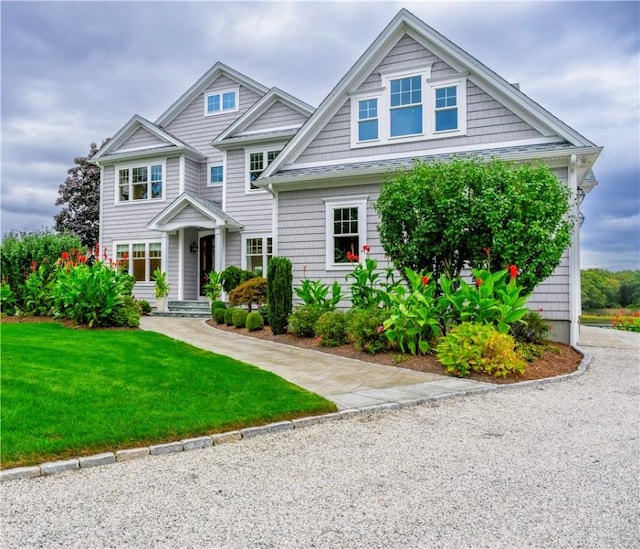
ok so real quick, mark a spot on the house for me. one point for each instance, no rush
(234, 173)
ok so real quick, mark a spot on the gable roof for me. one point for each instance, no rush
(234, 133)
(211, 212)
(169, 143)
(202, 84)
(406, 23)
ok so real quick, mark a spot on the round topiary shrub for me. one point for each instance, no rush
(217, 305)
(239, 318)
(145, 308)
(254, 322)
(331, 329)
(218, 316)
(228, 316)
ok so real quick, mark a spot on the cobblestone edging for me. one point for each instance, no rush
(107, 458)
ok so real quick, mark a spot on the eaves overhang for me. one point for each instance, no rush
(166, 152)
(212, 215)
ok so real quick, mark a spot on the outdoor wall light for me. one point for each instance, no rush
(194, 247)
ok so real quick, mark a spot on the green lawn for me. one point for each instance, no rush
(70, 392)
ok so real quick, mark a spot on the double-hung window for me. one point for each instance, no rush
(345, 230)
(367, 120)
(406, 106)
(446, 108)
(140, 259)
(220, 102)
(258, 251)
(258, 162)
(140, 182)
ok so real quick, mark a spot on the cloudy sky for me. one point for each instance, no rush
(75, 72)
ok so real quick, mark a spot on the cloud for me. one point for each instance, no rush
(74, 72)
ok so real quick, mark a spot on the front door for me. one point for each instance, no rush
(207, 259)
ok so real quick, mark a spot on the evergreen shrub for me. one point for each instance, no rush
(279, 293)
(254, 321)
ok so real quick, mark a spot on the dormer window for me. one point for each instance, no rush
(406, 106)
(446, 109)
(221, 102)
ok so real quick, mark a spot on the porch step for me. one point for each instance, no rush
(186, 308)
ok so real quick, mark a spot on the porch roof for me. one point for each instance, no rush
(202, 213)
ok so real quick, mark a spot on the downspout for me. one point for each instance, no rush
(274, 222)
(574, 258)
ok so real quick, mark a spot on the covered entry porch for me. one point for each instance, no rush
(197, 236)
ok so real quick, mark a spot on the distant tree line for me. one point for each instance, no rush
(602, 289)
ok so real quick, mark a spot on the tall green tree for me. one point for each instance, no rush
(444, 216)
(80, 196)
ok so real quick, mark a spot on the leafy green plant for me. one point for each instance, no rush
(331, 329)
(531, 329)
(212, 288)
(217, 305)
(7, 299)
(36, 293)
(253, 291)
(529, 351)
(365, 329)
(302, 322)
(88, 294)
(233, 276)
(414, 323)
(279, 293)
(124, 315)
(629, 322)
(264, 312)
(161, 286)
(315, 293)
(471, 347)
(239, 318)
(218, 315)
(254, 321)
(491, 300)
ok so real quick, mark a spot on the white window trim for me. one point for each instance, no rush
(129, 166)
(236, 90)
(163, 257)
(243, 250)
(224, 174)
(247, 163)
(333, 203)
(429, 85)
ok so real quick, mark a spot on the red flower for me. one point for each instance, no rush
(478, 282)
(425, 280)
(65, 256)
(380, 329)
(352, 257)
(365, 248)
(125, 256)
(34, 266)
(513, 271)
(486, 250)
(82, 258)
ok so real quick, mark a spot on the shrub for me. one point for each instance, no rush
(264, 312)
(331, 329)
(125, 315)
(365, 328)
(302, 322)
(217, 305)
(532, 329)
(19, 251)
(218, 315)
(233, 276)
(239, 318)
(254, 322)
(529, 351)
(228, 315)
(478, 348)
(629, 322)
(279, 293)
(249, 292)
(145, 307)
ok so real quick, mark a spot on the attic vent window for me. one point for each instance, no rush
(221, 102)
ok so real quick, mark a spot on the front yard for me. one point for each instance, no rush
(71, 392)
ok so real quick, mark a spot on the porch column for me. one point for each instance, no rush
(219, 259)
(180, 264)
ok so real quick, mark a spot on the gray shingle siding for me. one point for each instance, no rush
(191, 176)
(276, 116)
(141, 138)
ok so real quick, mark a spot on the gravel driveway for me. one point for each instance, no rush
(554, 465)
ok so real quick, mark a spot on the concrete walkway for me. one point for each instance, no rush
(347, 382)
